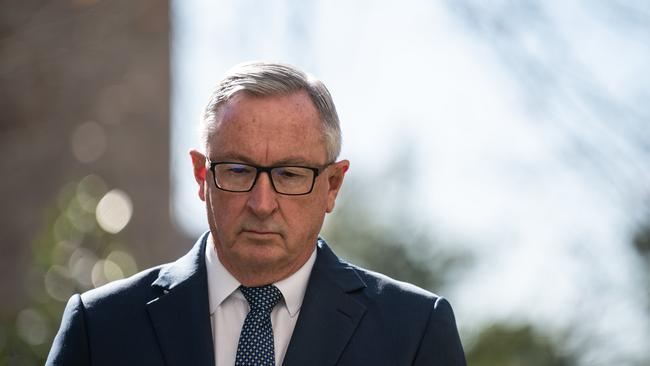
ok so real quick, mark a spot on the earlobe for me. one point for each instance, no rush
(198, 163)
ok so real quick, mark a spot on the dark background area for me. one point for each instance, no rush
(84, 89)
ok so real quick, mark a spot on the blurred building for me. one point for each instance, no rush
(84, 89)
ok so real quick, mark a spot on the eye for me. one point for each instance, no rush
(287, 173)
(239, 169)
(291, 172)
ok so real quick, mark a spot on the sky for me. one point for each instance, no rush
(526, 124)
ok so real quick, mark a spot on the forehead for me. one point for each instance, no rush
(268, 129)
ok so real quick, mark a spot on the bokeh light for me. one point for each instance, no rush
(62, 250)
(125, 261)
(32, 326)
(79, 217)
(114, 211)
(81, 264)
(57, 283)
(88, 190)
(62, 229)
(106, 271)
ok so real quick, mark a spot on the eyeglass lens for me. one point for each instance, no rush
(241, 177)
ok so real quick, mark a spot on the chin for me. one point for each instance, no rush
(261, 253)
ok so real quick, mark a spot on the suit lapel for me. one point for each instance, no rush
(181, 315)
(328, 315)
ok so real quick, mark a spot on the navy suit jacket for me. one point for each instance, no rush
(349, 316)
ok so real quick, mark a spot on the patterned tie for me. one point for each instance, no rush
(255, 346)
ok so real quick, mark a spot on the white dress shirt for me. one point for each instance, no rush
(228, 308)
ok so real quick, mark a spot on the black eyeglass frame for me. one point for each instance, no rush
(267, 170)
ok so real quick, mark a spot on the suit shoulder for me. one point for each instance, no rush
(384, 287)
(393, 296)
(131, 290)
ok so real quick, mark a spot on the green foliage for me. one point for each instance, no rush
(72, 254)
(503, 345)
(389, 235)
(402, 246)
(402, 250)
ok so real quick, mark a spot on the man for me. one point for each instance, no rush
(261, 287)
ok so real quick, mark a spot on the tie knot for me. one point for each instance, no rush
(261, 298)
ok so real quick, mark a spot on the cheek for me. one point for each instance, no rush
(225, 211)
(305, 216)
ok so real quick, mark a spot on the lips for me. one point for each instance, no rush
(257, 228)
(259, 231)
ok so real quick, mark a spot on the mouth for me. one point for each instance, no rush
(263, 233)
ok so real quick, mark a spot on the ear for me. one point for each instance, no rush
(198, 162)
(335, 180)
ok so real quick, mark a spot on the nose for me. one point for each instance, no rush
(262, 199)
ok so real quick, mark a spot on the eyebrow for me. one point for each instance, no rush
(246, 160)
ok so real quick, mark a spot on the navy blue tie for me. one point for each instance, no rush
(255, 346)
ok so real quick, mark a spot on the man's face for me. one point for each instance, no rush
(262, 236)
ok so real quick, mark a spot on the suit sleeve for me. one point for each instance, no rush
(440, 343)
(70, 346)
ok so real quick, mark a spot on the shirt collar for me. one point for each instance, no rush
(293, 287)
(222, 284)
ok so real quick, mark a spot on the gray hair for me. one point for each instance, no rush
(274, 79)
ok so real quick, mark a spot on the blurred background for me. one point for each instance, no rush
(499, 155)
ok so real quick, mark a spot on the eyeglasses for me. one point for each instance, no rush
(289, 180)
